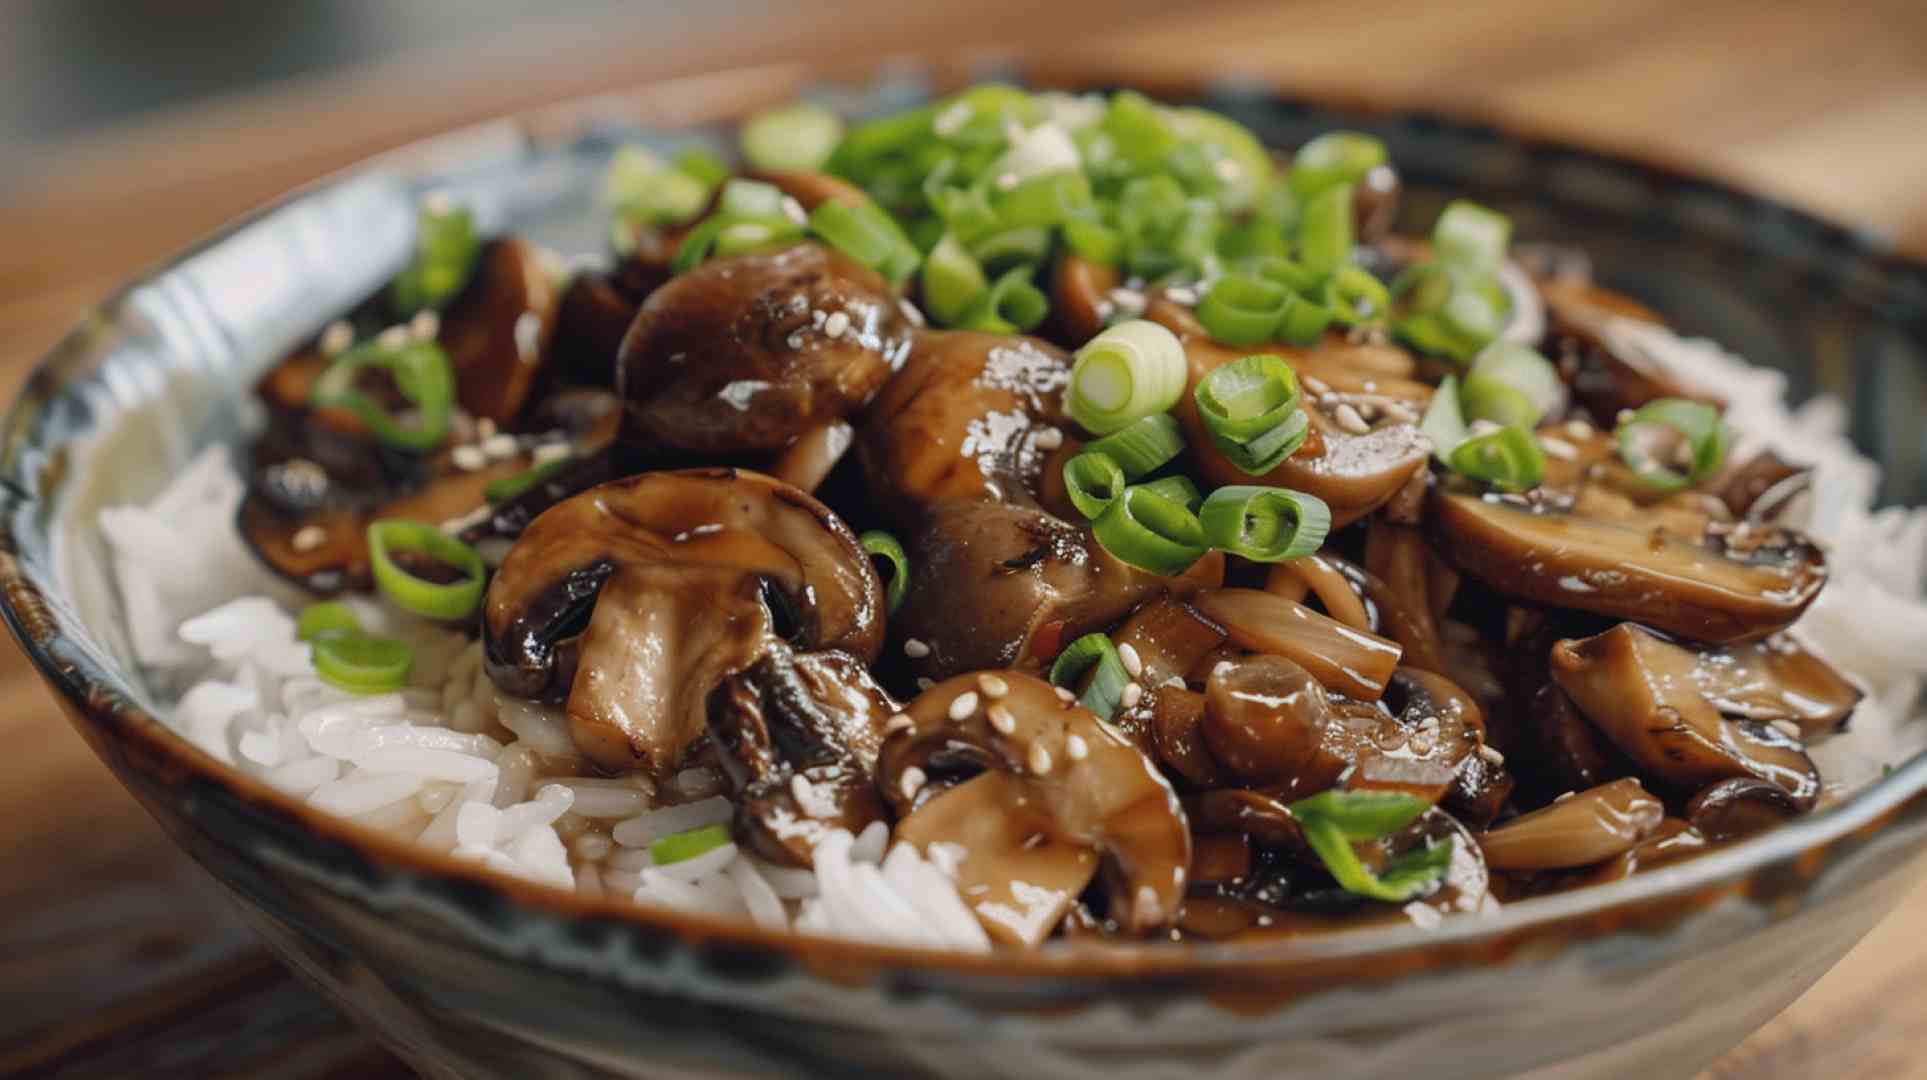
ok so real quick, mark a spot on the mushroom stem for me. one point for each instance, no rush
(1579, 830)
(1355, 663)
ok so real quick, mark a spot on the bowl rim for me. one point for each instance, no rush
(1655, 900)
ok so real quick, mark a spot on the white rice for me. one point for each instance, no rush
(452, 765)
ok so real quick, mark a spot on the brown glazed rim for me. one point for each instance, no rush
(1778, 866)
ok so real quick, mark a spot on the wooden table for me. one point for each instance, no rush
(114, 958)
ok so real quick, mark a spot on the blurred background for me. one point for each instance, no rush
(128, 128)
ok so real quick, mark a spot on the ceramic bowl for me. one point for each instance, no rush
(466, 973)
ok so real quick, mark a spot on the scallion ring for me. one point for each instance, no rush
(1471, 238)
(1248, 397)
(1336, 157)
(1508, 458)
(1265, 524)
(1673, 443)
(1355, 297)
(738, 237)
(1133, 369)
(1094, 242)
(1096, 655)
(686, 845)
(1094, 481)
(1006, 248)
(1044, 201)
(1243, 309)
(1151, 532)
(1510, 383)
(508, 487)
(361, 664)
(1325, 230)
(867, 234)
(1011, 305)
(1179, 489)
(952, 281)
(708, 169)
(1305, 321)
(1144, 446)
(329, 618)
(798, 137)
(421, 374)
(446, 250)
(742, 198)
(881, 545)
(435, 600)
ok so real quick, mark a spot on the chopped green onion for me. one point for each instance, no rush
(1511, 384)
(1133, 369)
(799, 137)
(1094, 481)
(1356, 298)
(738, 237)
(435, 600)
(1000, 251)
(1243, 309)
(1093, 653)
(1689, 433)
(1093, 242)
(686, 845)
(1051, 199)
(644, 191)
(1444, 420)
(697, 244)
(1305, 321)
(1446, 313)
(422, 376)
(1178, 489)
(1325, 230)
(749, 199)
(1336, 157)
(1138, 129)
(1236, 165)
(1151, 532)
(508, 487)
(446, 250)
(1011, 305)
(952, 281)
(1332, 821)
(707, 169)
(1244, 399)
(329, 618)
(1509, 459)
(883, 546)
(867, 234)
(1144, 446)
(1265, 524)
(1471, 238)
(361, 664)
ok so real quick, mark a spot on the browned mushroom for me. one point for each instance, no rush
(1004, 585)
(971, 416)
(1364, 445)
(1738, 808)
(747, 354)
(589, 326)
(1352, 662)
(1086, 784)
(1608, 371)
(1361, 599)
(1080, 299)
(1638, 690)
(1578, 830)
(1776, 679)
(1727, 585)
(497, 332)
(797, 734)
(634, 600)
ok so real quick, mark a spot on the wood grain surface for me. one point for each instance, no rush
(116, 959)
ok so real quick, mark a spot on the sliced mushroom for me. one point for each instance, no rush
(1726, 586)
(1004, 585)
(497, 332)
(634, 600)
(972, 416)
(1573, 755)
(808, 461)
(1608, 369)
(1080, 299)
(1579, 830)
(1638, 690)
(1398, 556)
(1092, 787)
(1447, 733)
(1738, 808)
(797, 734)
(1364, 444)
(1362, 600)
(1270, 724)
(1352, 662)
(747, 354)
(594, 316)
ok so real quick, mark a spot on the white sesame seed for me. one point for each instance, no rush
(1049, 438)
(1491, 755)
(1133, 693)
(425, 325)
(834, 326)
(1559, 448)
(910, 312)
(551, 452)
(1001, 718)
(1181, 295)
(484, 428)
(392, 338)
(1563, 797)
(1064, 695)
(1622, 416)
(500, 446)
(1130, 300)
(1314, 384)
(1076, 748)
(794, 210)
(899, 722)
(438, 203)
(925, 682)
(1579, 429)
(1040, 762)
(1348, 418)
(915, 649)
(307, 538)
(1133, 663)
(1221, 667)
(963, 705)
(1788, 728)
(468, 458)
(1483, 427)
(911, 782)
(337, 337)
(992, 686)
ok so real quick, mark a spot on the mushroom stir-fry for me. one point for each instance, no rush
(1123, 515)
